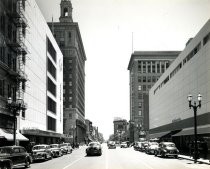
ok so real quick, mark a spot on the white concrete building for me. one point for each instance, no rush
(44, 88)
(168, 105)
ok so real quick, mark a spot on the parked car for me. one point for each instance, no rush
(55, 150)
(124, 145)
(152, 146)
(111, 145)
(143, 146)
(137, 146)
(14, 156)
(41, 152)
(166, 149)
(94, 148)
(66, 148)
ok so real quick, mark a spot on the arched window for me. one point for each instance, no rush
(65, 12)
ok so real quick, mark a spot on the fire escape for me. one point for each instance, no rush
(17, 44)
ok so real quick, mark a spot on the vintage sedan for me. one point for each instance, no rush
(166, 149)
(55, 150)
(66, 148)
(14, 156)
(124, 145)
(94, 148)
(41, 152)
(152, 146)
(111, 145)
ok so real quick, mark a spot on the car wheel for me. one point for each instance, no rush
(27, 163)
(155, 153)
(7, 166)
(162, 154)
(176, 156)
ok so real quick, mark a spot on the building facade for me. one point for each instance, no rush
(120, 129)
(145, 68)
(43, 120)
(13, 78)
(169, 107)
(68, 37)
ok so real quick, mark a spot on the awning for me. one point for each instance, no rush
(159, 135)
(7, 134)
(190, 131)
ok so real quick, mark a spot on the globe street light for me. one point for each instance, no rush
(14, 107)
(199, 97)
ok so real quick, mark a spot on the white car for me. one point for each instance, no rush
(123, 145)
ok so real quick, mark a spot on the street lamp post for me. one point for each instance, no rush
(195, 122)
(14, 107)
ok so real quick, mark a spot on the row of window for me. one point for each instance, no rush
(152, 66)
(51, 86)
(148, 79)
(51, 123)
(11, 90)
(51, 68)
(51, 50)
(51, 104)
(144, 87)
(185, 60)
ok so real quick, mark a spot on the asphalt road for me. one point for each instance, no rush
(119, 158)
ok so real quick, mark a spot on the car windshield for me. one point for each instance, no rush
(170, 145)
(54, 146)
(5, 150)
(62, 145)
(38, 147)
(93, 144)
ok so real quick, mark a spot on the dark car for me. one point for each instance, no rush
(94, 148)
(41, 152)
(111, 145)
(166, 149)
(14, 156)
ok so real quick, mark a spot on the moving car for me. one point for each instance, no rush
(14, 156)
(66, 148)
(166, 149)
(111, 145)
(55, 150)
(41, 152)
(123, 145)
(152, 146)
(94, 148)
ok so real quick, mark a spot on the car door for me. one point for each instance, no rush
(15, 156)
(22, 154)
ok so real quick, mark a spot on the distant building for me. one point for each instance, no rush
(169, 108)
(145, 68)
(68, 37)
(120, 129)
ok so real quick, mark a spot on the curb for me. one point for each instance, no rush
(191, 159)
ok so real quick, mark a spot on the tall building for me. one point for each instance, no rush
(169, 107)
(145, 68)
(68, 37)
(33, 64)
(43, 121)
(13, 53)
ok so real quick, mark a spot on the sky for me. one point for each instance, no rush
(107, 26)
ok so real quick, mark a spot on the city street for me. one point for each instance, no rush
(118, 158)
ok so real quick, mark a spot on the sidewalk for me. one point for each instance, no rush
(201, 160)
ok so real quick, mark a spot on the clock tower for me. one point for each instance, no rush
(66, 11)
